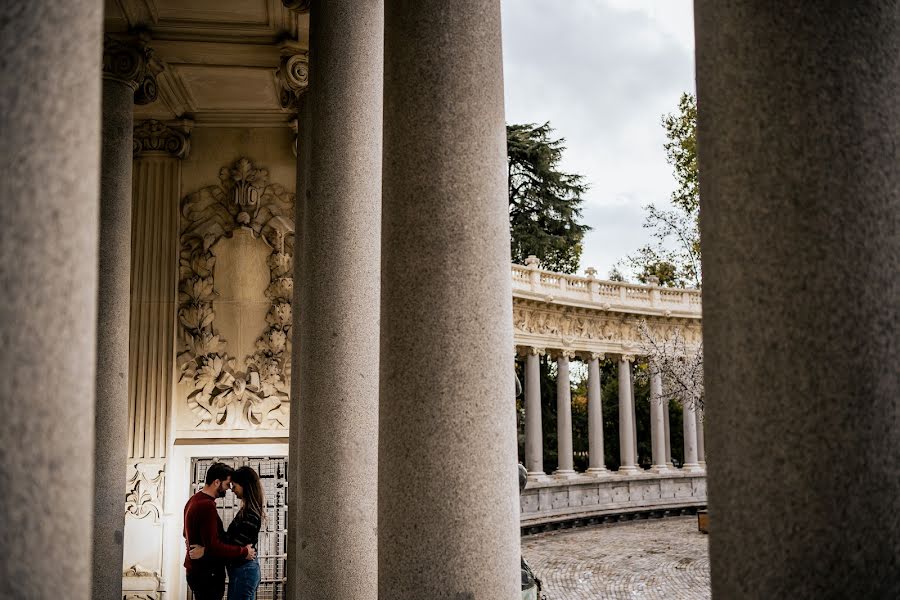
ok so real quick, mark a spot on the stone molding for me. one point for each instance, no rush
(255, 393)
(293, 77)
(145, 490)
(132, 63)
(157, 137)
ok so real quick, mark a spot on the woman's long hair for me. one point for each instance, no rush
(254, 499)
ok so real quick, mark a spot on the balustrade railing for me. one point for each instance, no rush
(529, 280)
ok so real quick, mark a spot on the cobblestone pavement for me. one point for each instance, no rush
(634, 560)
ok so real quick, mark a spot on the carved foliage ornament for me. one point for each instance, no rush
(255, 393)
(134, 64)
(145, 490)
(155, 136)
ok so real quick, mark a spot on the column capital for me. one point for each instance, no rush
(627, 358)
(132, 62)
(298, 6)
(293, 76)
(565, 353)
(158, 137)
(535, 350)
(597, 355)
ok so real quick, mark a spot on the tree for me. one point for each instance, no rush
(544, 202)
(674, 256)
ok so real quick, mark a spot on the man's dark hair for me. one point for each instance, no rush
(219, 471)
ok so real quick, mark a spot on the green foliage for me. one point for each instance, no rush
(544, 202)
(674, 255)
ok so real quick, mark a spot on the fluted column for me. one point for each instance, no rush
(534, 434)
(50, 105)
(627, 458)
(701, 442)
(335, 461)
(596, 460)
(657, 422)
(127, 77)
(448, 497)
(565, 465)
(690, 438)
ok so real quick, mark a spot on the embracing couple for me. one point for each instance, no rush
(210, 549)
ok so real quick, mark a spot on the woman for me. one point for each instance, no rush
(243, 575)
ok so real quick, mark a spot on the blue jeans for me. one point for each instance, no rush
(243, 579)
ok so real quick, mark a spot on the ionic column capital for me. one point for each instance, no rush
(293, 77)
(597, 355)
(156, 137)
(629, 358)
(535, 351)
(565, 353)
(132, 63)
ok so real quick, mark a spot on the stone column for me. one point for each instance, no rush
(657, 422)
(335, 461)
(48, 296)
(800, 315)
(701, 443)
(627, 458)
(565, 467)
(534, 435)
(666, 414)
(448, 497)
(634, 437)
(689, 419)
(596, 465)
(127, 77)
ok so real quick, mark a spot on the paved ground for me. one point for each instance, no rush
(634, 560)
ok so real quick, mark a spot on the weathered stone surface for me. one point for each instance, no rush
(337, 428)
(448, 509)
(798, 138)
(50, 127)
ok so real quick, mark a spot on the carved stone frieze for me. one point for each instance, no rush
(225, 394)
(133, 63)
(293, 79)
(152, 136)
(145, 490)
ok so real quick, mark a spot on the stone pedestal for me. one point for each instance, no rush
(448, 499)
(798, 136)
(50, 107)
(335, 460)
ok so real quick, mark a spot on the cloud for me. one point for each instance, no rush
(603, 73)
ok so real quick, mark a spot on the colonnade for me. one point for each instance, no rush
(694, 458)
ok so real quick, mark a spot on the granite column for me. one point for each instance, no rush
(448, 497)
(801, 321)
(689, 421)
(335, 461)
(50, 108)
(596, 460)
(627, 458)
(565, 467)
(657, 422)
(534, 435)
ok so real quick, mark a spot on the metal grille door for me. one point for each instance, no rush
(271, 548)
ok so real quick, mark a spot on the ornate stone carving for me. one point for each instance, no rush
(293, 79)
(145, 490)
(140, 583)
(254, 394)
(152, 136)
(132, 63)
(300, 6)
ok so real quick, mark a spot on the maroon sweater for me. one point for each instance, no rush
(203, 526)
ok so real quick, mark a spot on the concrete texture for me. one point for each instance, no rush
(448, 496)
(597, 461)
(50, 127)
(798, 138)
(534, 434)
(113, 325)
(564, 418)
(336, 456)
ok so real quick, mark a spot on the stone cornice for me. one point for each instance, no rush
(156, 137)
(132, 63)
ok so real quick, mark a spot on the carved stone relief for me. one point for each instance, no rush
(228, 394)
(145, 490)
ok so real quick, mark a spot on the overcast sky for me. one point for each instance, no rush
(603, 72)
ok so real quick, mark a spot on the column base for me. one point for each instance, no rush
(692, 468)
(598, 472)
(702, 464)
(670, 464)
(537, 476)
(629, 470)
(564, 474)
(660, 469)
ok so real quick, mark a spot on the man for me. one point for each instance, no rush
(202, 526)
